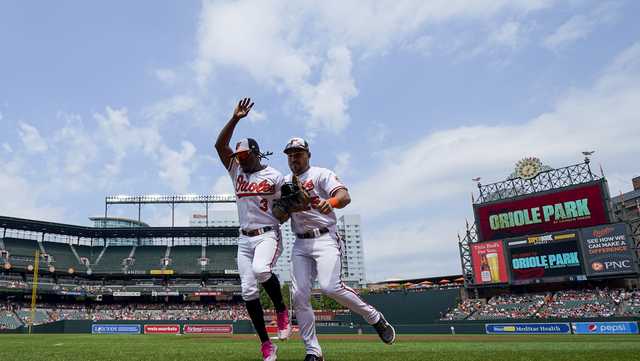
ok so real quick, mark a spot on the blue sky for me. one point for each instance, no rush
(406, 100)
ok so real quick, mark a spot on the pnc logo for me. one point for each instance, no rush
(598, 267)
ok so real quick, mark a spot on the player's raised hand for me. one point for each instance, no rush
(243, 108)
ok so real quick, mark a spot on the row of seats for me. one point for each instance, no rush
(182, 259)
(584, 303)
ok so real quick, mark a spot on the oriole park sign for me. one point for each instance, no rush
(567, 208)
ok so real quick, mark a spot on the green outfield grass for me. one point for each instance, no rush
(338, 348)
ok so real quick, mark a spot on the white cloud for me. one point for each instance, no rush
(343, 164)
(166, 76)
(580, 26)
(507, 35)
(22, 198)
(415, 248)
(256, 116)
(31, 138)
(7, 147)
(165, 109)
(223, 185)
(317, 40)
(177, 167)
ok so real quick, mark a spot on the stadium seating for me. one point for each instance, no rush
(185, 259)
(8, 320)
(112, 259)
(41, 316)
(148, 258)
(90, 253)
(21, 251)
(63, 257)
(221, 258)
(569, 304)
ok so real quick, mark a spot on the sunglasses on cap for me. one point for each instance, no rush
(244, 155)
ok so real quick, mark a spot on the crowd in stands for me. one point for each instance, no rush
(586, 303)
(19, 314)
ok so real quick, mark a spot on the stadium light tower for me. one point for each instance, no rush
(171, 200)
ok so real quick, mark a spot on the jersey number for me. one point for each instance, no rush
(264, 205)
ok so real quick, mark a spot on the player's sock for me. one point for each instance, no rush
(257, 317)
(272, 287)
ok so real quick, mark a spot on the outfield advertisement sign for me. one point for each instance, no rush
(162, 329)
(575, 207)
(208, 329)
(115, 329)
(489, 265)
(595, 328)
(552, 257)
(607, 250)
(527, 328)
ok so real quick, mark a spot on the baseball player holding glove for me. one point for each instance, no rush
(317, 251)
(260, 242)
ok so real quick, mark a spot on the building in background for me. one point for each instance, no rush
(217, 219)
(626, 206)
(353, 272)
(116, 222)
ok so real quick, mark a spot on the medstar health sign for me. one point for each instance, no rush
(575, 207)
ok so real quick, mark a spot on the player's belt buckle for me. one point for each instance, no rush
(316, 232)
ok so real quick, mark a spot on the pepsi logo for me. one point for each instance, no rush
(592, 327)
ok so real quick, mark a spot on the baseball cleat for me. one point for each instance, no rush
(386, 332)
(311, 357)
(269, 351)
(284, 326)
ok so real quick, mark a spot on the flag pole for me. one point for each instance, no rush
(34, 288)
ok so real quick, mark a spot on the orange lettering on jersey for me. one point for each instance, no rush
(308, 185)
(244, 186)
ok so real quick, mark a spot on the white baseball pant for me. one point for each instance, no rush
(256, 258)
(321, 257)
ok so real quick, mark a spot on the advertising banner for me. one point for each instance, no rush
(489, 265)
(165, 293)
(161, 272)
(208, 329)
(126, 294)
(207, 293)
(545, 258)
(620, 328)
(607, 250)
(115, 329)
(274, 329)
(162, 329)
(527, 328)
(576, 207)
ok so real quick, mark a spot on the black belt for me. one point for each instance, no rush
(314, 233)
(257, 232)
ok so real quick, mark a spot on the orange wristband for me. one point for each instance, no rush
(333, 201)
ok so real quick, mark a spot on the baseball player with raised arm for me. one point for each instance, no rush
(317, 250)
(260, 242)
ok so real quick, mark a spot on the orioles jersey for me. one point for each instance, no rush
(321, 183)
(255, 193)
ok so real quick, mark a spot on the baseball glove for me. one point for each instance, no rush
(294, 198)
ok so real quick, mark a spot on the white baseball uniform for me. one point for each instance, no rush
(255, 193)
(320, 257)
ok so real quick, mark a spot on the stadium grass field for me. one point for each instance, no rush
(336, 347)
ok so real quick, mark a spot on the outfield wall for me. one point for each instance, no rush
(244, 327)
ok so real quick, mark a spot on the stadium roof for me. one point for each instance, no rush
(135, 232)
